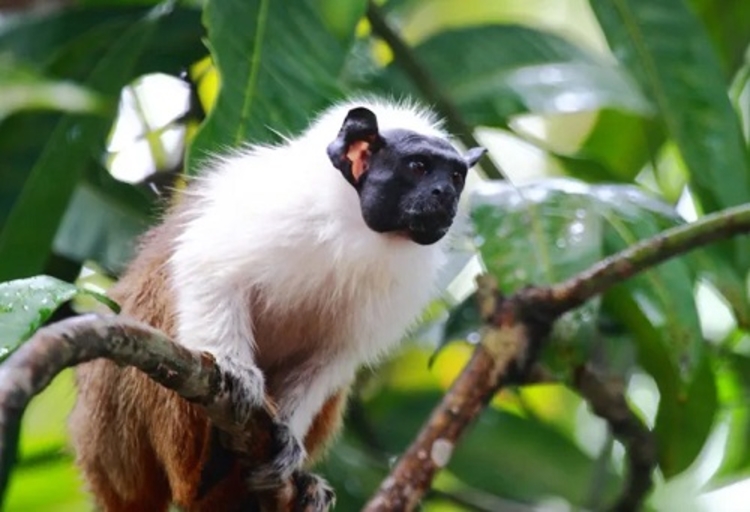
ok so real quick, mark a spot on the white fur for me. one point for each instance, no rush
(284, 220)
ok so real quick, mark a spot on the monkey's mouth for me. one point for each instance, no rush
(427, 229)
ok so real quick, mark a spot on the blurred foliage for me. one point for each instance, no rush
(643, 107)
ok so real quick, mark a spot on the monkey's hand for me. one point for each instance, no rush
(257, 435)
(243, 388)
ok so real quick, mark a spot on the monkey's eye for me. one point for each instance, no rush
(457, 178)
(418, 167)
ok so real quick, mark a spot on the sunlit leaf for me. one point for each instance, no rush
(684, 79)
(281, 67)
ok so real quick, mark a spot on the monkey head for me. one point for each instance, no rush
(408, 183)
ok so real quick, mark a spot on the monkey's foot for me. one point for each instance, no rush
(312, 493)
(289, 454)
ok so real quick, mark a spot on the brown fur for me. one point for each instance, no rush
(139, 445)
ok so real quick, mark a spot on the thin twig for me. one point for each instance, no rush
(641, 256)
(607, 400)
(404, 56)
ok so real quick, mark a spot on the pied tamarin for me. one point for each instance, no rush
(294, 265)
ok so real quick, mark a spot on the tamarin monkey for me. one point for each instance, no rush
(293, 265)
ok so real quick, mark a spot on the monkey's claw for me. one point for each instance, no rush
(289, 454)
(312, 493)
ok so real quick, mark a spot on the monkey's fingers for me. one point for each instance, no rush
(312, 493)
(244, 388)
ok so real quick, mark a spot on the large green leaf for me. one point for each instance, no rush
(669, 53)
(74, 141)
(279, 68)
(687, 410)
(508, 70)
(658, 308)
(541, 234)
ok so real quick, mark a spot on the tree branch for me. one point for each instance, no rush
(607, 400)
(495, 361)
(516, 327)
(194, 376)
(641, 256)
(405, 57)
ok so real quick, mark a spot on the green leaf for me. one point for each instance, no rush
(728, 26)
(684, 420)
(541, 234)
(68, 42)
(658, 307)
(534, 72)
(27, 235)
(109, 237)
(281, 66)
(733, 375)
(664, 294)
(668, 52)
(25, 304)
(463, 322)
(621, 143)
(686, 410)
(340, 17)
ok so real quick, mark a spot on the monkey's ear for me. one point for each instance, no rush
(473, 155)
(357, 140)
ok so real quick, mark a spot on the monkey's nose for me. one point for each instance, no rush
(439, 190)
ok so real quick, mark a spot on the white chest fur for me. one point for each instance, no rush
(283, 223)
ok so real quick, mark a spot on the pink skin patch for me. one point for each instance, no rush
(358, 154)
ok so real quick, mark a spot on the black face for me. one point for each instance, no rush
(407, 182)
